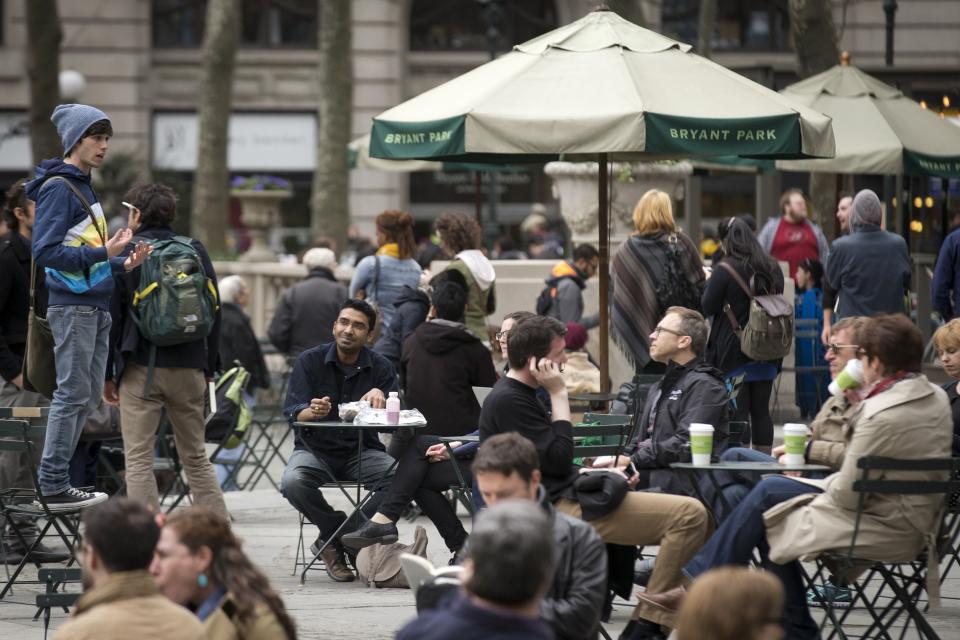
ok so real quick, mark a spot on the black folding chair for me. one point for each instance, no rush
(54, 595)
(17, 436)
(906, 581)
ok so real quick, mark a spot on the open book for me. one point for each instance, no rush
(419, 570)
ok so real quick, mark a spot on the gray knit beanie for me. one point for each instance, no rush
(866, 210)
(72, 120)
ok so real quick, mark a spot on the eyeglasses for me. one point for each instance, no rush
(658, 329)
(501, 335)
(834, 348)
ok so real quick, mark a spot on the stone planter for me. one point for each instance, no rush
(260, 211)
(575, 185)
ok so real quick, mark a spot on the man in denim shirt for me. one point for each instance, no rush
(344, 370)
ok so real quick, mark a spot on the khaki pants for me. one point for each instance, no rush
(679, 525)
(180, 391)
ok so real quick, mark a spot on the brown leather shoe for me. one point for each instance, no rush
(334, 562)
(668, 601)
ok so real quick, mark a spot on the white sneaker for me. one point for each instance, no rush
(72, 499)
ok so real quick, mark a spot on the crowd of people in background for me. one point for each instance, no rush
(555, 538)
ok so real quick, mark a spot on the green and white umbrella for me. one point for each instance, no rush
(358, 157)
(600, 88)
(599, 85)
(878, 129)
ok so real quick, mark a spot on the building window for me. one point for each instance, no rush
(757, 25)
(459, 25)
(266, 24)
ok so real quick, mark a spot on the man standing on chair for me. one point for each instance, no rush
(70, 242)
(323, 378)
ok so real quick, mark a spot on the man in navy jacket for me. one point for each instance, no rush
(946, 278)
(341, 371)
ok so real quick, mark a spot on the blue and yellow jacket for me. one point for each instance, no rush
(65, 241)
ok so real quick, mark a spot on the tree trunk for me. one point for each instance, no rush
(706, 21)
(815, 42)
(210, 205)
(329, 202)
(43, 70)
(631, 10)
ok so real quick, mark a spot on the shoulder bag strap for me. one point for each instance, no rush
(84, 202)
(731, 316)
(376, 279)
(33, 285)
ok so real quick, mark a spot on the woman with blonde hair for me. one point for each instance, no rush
(382, 277)
(198, 563)
(946, 340)
(656, 268)
(732, 603)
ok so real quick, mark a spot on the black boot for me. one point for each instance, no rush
(642, 630)
(369, 534)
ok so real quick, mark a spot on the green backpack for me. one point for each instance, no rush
(176, 302)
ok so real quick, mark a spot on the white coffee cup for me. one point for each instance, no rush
(701, 443)
(795, 442)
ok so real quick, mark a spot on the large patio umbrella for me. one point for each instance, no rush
(599, 88)
(878, 129)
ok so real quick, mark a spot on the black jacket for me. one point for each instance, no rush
(688, 393)
(723, 346)
(573, 604)
(441, 364)
(514, 406)
(126, 343)
(239, 342)
(315, 376)
(306, 313)
(410, 311)
(15, 302)
(861, 260)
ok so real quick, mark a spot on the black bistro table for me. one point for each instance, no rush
(694, 471)
(361, 498)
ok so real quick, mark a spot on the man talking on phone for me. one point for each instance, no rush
(679, 525)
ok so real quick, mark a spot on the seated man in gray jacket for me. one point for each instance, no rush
(507, 467)
(691, 391)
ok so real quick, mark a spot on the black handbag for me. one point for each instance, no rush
(39, 367)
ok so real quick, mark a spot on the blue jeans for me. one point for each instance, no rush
(80, 335)
(742, 532)
(735, 486)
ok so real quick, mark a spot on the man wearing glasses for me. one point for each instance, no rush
(691, 391)
(344, 370)
(830, 427)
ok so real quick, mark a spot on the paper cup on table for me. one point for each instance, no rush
(701, 443)
(795, 442)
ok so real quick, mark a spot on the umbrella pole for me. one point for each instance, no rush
(603, 213)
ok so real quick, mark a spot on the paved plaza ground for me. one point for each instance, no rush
(328, 610)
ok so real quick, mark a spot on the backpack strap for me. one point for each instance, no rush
(731, 316)
(376, 278)
(83, 201)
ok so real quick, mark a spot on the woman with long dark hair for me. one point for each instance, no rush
(199, 564)
(755, 266)
(382, 277)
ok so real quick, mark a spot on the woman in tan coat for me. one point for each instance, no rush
(899, 415)
(198, 563)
